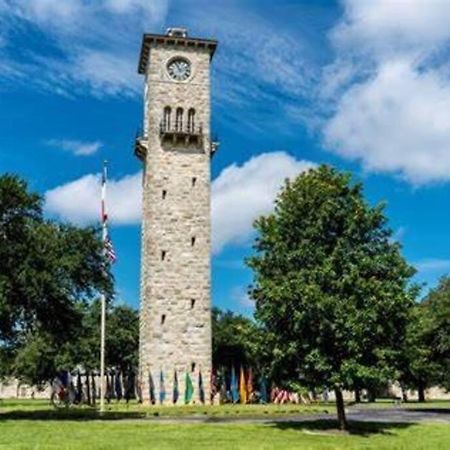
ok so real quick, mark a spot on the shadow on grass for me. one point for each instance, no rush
(330, 427)
(430, 410)
(322, 426)
(71, 414)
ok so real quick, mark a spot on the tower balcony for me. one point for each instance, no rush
(141, 145)
(184, 135)
(180, 133)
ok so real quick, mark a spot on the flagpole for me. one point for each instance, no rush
(103, 299)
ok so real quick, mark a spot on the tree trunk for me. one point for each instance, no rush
(421, 392)
(371, 397)
(88, 389)
(342, 420)
(357, 396)
(404, 394)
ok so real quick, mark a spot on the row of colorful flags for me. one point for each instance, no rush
(188, 388)
(239, 389)
(245, 391)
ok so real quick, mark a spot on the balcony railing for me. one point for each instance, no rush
(181, 132)
(140, 144)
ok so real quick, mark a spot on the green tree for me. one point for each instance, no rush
(236, 340)
(48, 269)
(41, 356)
(122, 337)
(430, 359)
(419, 366)
(331, 288)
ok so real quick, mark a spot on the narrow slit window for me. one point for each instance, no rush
(192, 303)
(164, 193)
(163, 255)
(163, 319)
(179, 119)
(194, 180)
(193, 367)
(192, 241)
(191, 120)
(166, 118)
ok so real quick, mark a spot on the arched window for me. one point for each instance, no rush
(166, 118)
(179, 120)
(191, 120)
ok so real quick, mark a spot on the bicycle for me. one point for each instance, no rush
(62, 396)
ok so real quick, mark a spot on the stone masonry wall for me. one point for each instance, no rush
(175, 315)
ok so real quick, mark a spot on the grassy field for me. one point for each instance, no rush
(386, 403)
(33, 425)
(40, 409)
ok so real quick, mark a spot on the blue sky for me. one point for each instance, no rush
(359, 84)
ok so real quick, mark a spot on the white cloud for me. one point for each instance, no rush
(391, 26)
(79, 201)
(239, 295)
(151, 9)
(78, 148)
(242, 193)
(258, 62)
(95, 44)
(93, 47)
(239, 195)
(397, 121)
(398, 234)
(390, 90)
(432, 265)
(107, 72)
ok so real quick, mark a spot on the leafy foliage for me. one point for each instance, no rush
(426, 354)
(417, 369)
(237, 341)
(331, 288)
(48, 270)
(41, 356)
(437, 328)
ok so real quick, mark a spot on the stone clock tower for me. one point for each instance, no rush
(175, 148)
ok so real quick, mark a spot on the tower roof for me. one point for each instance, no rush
(175, 39)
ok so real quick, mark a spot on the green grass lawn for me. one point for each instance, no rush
(26, 434)
(413, 404)
(35, 425)
(41, 409)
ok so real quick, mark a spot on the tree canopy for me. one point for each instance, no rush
(331, 287)
(236, 340)
(41, 356)
(426, 353)
(47, 271)
(437, 330)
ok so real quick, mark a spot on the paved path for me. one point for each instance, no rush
(399, 414)
(389, 414)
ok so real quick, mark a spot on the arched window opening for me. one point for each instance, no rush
(166, 118)
(179, 120)
(191, 120)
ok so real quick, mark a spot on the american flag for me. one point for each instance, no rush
(110, 254)
(109, 250)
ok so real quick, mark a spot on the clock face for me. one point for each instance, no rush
(179, 69)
